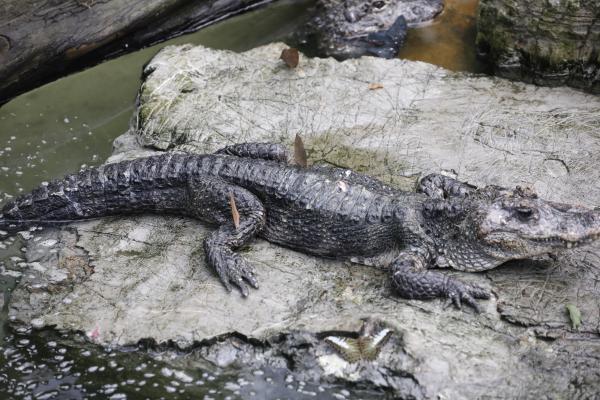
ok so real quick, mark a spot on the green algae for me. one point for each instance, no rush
(383, 165)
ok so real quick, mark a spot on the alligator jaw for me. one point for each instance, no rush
(568, 241)
(516, 224)
(567, 229)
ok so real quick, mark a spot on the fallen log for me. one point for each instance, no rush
(42, 40)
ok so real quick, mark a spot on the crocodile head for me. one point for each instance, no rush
(494, 225)
(353, 28)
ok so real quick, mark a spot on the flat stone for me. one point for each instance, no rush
(144, 277)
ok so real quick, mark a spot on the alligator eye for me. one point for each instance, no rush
(378, 4)
(524, 212)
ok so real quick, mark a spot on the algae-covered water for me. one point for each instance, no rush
(72, 122)
(449, 40)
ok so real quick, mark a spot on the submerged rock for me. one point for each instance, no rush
(353, 28)
(547, 42)
(392, 119)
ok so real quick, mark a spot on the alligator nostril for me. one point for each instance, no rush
(350, 16)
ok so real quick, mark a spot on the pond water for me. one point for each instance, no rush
(448, 41)
(72, 122)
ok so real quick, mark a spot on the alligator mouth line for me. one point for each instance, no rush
(556, 240)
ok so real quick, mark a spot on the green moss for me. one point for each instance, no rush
(494, 33)
(574, 316)
(380, 164)
(535, 48)
(155, 107)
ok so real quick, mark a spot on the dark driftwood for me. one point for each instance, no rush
(41, 40)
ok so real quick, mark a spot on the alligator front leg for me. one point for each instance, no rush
(413, 280)
(210, 200)
(438, 186)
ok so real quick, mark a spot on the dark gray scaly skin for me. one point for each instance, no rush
(324, 211)
(353, 28)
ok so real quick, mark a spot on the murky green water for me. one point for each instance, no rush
(449, 40)
(72, 122)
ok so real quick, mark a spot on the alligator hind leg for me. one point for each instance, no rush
(412, 280)
(209, 200)
(438, 186)
(264, 151)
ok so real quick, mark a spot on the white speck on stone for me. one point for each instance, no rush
(139, 234)
(37, 323)
(37, 266)
(57, 276)
(13, 274)
(49, 242)
(333, 364)
(183, 377)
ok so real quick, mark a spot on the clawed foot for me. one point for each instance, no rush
(234, 270)
(459, 292)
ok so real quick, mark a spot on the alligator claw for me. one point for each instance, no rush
(243, 287)
(237, 271)
(222, 272)
(459, 292)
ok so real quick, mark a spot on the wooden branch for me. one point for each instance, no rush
(41, 40)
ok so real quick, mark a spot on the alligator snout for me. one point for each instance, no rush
(578, 226)
(353, 15)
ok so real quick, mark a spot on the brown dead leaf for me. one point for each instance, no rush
(375, 86)
(300, 152)
(234, 212)
(291, 57)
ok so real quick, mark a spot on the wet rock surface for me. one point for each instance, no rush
(122, 280)
(545, 42)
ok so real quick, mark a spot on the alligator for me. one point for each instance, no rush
(353, 28)
(254, 189)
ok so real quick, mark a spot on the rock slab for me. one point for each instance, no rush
(122, 280)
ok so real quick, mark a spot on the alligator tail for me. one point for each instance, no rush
(12, 226)
(154, 184)
(9, 227)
